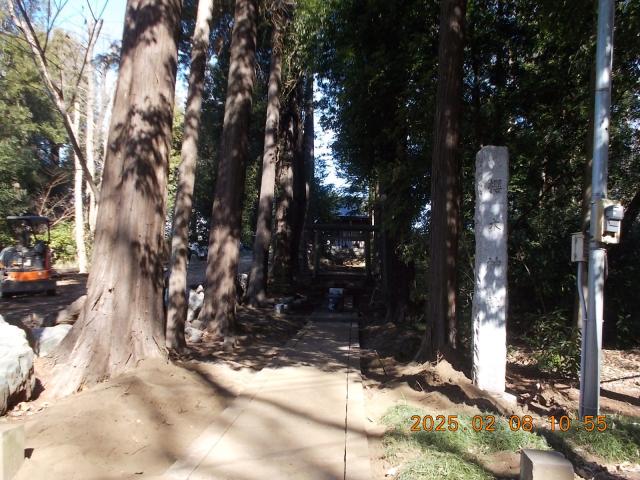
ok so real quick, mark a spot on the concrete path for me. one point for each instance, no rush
(302, 419)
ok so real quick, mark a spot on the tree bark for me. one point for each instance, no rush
(90, 129)
(478, 126)
(445, 179)
(78, 204)
(282, 256)
(309, 137)
(300, 181)
(218, 310)
(177, 310)
(399, 277)
(309, 160)
(122, 321)
(257, 280)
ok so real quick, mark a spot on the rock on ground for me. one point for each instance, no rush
(196, 300)
(48, 338)
(193, 335)
(17, 378)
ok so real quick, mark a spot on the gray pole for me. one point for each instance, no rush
(592, 334)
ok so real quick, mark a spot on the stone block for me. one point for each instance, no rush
(11, 450)
(544, 465)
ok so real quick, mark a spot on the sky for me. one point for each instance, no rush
(75, 12)
(73, 18)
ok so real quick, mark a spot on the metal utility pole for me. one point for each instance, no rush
(592, 334)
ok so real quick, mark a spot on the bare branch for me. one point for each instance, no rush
(104, 7)
(51, 21)
(56, 207)
(94, 32)
(91, 12)
(23, 22)
(49, 26)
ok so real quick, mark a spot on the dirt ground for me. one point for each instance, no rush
(545, 395)
(442, 388)
(136, 425)
(139, 423)
(36, 309)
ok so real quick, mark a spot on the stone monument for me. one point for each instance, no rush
(489, 311)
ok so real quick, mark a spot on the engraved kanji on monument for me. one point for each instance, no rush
(489, 312)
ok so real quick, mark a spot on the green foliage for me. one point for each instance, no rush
(174, 162)
(33, 159)
(304, 35)
(63, 244)
(28, 129)
(527, 85)
(250, 207)
(378, 89)
(214, 98)
(556, 344)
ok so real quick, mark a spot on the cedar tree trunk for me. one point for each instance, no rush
(445, 179)
(282, 261)
(177, 309)
(122, 321)
(300, 181)
(218, 311)
(309, 160)
(257, 280)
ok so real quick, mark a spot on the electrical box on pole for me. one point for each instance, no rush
(578, 247)
(609, 221)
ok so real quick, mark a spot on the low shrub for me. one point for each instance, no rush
(63, 244)
(556, 344)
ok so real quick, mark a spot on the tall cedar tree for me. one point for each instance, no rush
(309, 137)
(285, 207)
(445, 180)
(299, 181)
(218, 311)
(122, 321)
(257, 278)
(177, 310)
(308, 144)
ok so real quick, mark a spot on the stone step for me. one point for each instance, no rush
(544, 465)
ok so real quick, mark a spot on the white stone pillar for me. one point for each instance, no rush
(489, 311)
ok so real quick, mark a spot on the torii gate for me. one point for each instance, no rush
(364, 230)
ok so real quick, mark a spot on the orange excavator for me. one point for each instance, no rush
(26, 266)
